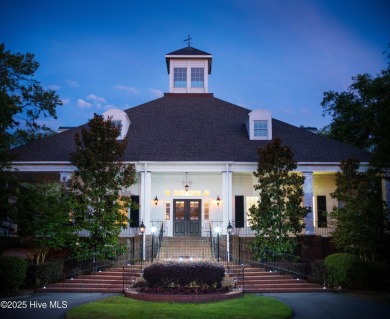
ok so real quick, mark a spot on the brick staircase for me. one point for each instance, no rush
(115, 280)
(185, 248)
(112, 280)
(258, 280)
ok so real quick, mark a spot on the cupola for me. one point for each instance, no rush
(188, 70)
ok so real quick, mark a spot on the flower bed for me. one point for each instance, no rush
(182, 296)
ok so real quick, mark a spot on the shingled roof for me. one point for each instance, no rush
(195, 127)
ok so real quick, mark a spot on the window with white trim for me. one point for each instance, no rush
(197, 77)
(180, 77)
(260, 128)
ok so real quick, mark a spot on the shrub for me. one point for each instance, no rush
(12, 273)
(345, 270)
(43, 274)
(181, 274)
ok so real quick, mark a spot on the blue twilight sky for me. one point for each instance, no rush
(279, 55)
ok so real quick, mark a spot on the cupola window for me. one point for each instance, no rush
(180, 77)
(197, 77)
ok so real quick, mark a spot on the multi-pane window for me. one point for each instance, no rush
(180, 77)
(197, 77)
(206, 210)
(167, 211)
(260, 128)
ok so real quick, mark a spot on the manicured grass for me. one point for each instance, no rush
(246, 307)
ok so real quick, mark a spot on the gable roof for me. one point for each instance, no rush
(195, 127)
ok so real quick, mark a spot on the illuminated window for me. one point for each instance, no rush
(206, 210)
(250, 201)
(167, 211)
(206, 193)
(167, 192)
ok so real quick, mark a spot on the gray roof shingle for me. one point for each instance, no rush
(195, 127)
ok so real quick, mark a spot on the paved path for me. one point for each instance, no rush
(331, 306)
(305, 305)
(57, 303)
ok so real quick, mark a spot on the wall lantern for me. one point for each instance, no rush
(218, 200)
(155, 200)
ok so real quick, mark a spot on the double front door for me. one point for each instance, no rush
(187, 219)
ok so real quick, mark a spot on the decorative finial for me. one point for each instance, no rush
(188, 40)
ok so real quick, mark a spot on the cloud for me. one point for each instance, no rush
(54, 87)
(72, 83)
(128, 89)
(83, 104)
(97, 99)
(156, 93)
(65, 101)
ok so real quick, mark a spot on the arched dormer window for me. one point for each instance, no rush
(259, 125)
(118, 118)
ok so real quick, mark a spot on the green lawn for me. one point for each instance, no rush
(246, 307)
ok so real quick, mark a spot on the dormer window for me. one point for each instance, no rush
(120, 119)
(118, 124)
(259, 125)
(260, 128)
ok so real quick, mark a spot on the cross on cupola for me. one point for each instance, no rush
(188, 69)
(188, 40)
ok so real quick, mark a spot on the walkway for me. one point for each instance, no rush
(331, 306)
(305, 305)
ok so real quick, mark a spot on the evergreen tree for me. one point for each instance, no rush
(279, 213)
(361, 217)
(98, 206)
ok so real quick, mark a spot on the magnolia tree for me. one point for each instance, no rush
(95, 188)
(279, 212)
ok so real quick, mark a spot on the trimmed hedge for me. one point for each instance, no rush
(349, 271)
(344, 270)
(12, 273)
(182, 274)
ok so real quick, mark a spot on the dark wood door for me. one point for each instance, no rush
(187, 219)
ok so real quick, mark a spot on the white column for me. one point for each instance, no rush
(145, 199)
(308, 202)
(226, 199)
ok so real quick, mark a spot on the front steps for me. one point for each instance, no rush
(258, 280)
(113, 280)
(249, 279)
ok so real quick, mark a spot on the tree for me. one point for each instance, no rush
(42, 214)
(361, 219)
(279, 212)
(361, 115)
(95, 187)
(23, 102)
